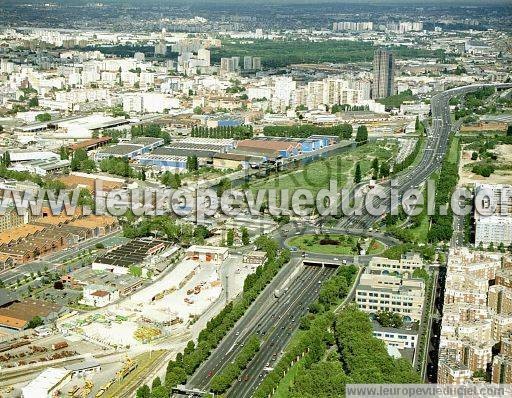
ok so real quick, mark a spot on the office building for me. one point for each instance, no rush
(408, 263)
(396, 337)
(381, 292)
(383, 74)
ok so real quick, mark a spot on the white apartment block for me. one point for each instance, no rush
(493, 229)
(149, 102)
(356, 26)
(379, 292)
(493, 215)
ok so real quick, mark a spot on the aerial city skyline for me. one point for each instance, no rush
(279, 199)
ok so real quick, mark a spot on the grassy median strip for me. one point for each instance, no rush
(133, 380)
(223, 380)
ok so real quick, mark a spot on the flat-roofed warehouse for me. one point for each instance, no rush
(137, 146)
(163, 162)
(76, 127)
(47, 384)
(235, 161)
(85, 126)
(285, 149)
(207, 253)
(306, 144)
(120, 259)
(204, 154)
(93, 143)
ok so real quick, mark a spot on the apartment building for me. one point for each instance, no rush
(380, 292)
(476, 314)
(500, 299)
(501, 326)
(383, 74)
(493, 215)
(11, 219)
(504, 276)
(477, 355)
(452, 372)
(506, 345)
(502, 369)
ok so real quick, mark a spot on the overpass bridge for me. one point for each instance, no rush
(327, 261)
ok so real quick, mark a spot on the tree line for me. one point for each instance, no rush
(233, 132)
(343, 131)
(441, 228)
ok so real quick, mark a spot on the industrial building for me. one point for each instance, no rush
(83, 277)
(162, 162)
(284, 149)
(207, 253)
(15, 314)
(99, 295)
(133, 253)
(51, 233)
(137, 146)
(47, 384)
(43, 167)
(235, 161)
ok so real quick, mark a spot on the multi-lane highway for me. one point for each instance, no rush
(273, 320)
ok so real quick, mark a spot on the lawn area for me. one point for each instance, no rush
(420, 233)
(283, 389)
(375, 247)
(316, 175)
(330, 244)
(204, 173)
(453, 154)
